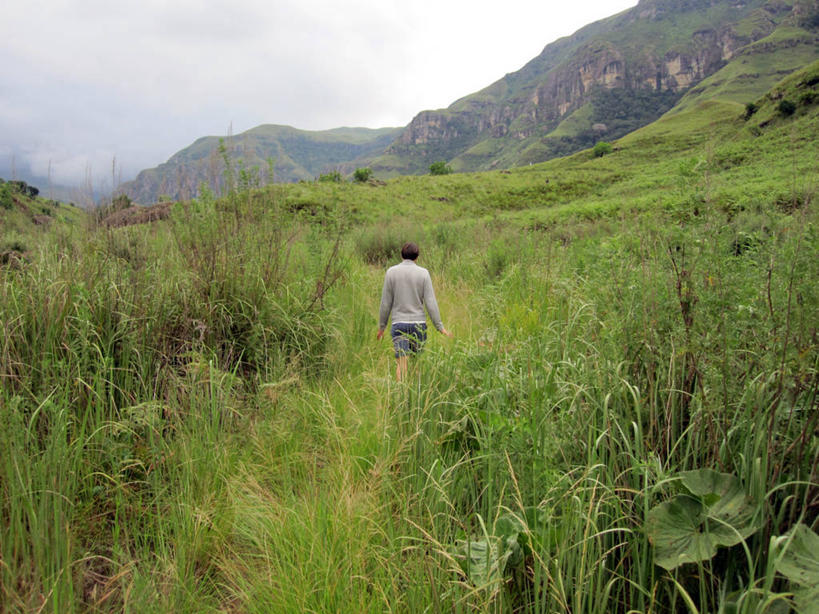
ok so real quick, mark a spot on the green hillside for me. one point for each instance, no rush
(610, 78)
(603, 82)
(294, 155)
(26, 217)
(197, 417)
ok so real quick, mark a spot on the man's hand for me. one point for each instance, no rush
(446, 332)
(380, 334)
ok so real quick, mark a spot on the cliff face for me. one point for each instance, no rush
(659, 46)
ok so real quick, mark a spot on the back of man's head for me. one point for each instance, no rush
(409, 251)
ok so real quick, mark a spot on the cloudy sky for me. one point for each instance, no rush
(84, 82)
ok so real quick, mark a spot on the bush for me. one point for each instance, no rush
(363, 175)
(602, 148)
(750, 109)
(440, 168)
(786, 108)
(331, 177)
(6, 200)
(381, 245)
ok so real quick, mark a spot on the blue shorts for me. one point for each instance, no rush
(408, 337)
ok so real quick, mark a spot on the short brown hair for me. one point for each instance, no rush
(409, 251)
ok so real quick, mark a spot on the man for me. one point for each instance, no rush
(407, 290)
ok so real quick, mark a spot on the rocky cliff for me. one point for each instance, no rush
(652, 54)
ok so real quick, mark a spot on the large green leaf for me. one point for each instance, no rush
(690, 528)
(486, 561)
(799, 563)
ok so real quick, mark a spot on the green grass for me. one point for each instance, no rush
(196, 416)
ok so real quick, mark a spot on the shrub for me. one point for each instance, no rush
(750, 109)
(122, 201)
(380, 245)
(440, 168)
(18, 186)
(331, 177)
(6, 200)
(786, 108)
(363, 175)
(602, 148)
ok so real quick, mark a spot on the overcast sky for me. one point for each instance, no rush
(84, 81)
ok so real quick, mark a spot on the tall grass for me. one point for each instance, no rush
(127, 358)
(196, 417)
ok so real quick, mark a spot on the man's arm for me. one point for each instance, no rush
(386, 305)
(432, 306)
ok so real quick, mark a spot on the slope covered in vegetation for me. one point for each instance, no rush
(287, 153)
(608, 79)
(25, 217)
(197, 418)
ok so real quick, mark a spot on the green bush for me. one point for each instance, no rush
(750, 109)
(331, 177)
(440, 168)
(381, 245)
(602, 148)
(6, 200)
(362, 175)
(786, 108)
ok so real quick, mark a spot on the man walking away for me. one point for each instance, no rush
(407, 290)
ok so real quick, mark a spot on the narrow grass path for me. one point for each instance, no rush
(318, 523)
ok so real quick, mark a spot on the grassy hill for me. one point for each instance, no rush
(197, 417)
(606, 80)
(26, 216)
(610, 78)
(268, 152)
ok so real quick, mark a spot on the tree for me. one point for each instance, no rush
(786, 108)
(440, 168)
(362, 175)
(602, 148)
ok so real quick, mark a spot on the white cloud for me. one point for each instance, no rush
(142, 79)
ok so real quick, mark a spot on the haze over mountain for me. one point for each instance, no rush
(84, 83)
(604, 81)
(294, 155)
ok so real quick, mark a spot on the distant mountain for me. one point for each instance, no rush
(610, 78)
(604, 81)
(295, 154)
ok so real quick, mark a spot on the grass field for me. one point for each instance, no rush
(196, 416)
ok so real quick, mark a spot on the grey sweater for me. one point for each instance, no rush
(407, 289)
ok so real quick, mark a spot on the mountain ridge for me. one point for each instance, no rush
(599, 83)
(268, 151)
(637, 51)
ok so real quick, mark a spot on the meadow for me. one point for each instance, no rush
(196, 416)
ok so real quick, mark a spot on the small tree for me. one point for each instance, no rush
(440, 168)
(602, 148)
(362, 175)
(750, 109)
(787, 108)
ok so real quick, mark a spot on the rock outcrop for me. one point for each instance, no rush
(659, 46)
